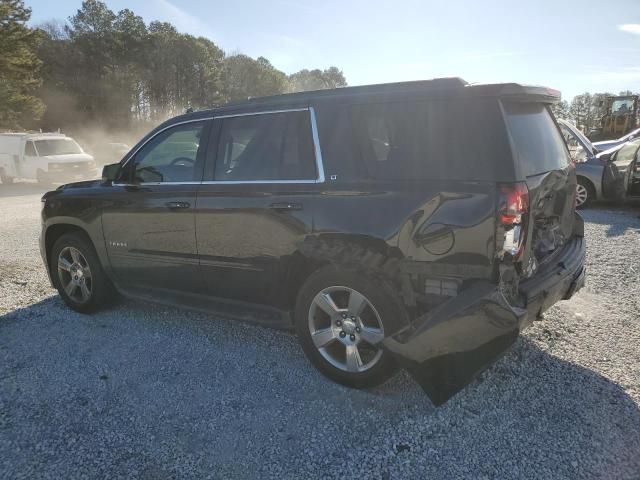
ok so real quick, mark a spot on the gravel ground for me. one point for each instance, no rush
(142, 391)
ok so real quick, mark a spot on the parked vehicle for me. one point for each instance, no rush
(625, 161)
(590, 166)
(599, 174)
(420, 224)
(46, 157)
(608, 144)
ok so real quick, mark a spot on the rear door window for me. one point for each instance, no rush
(269, 146)
(537, 142)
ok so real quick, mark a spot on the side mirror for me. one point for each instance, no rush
(110, 172)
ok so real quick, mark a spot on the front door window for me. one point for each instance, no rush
(171, 156)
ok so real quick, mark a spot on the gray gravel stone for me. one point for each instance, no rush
(141, 391)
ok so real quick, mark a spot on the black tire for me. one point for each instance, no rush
(5, 179)
(381, 296)
(102, 291)
(590, 191)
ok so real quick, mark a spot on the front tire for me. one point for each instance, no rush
(78, 275)
(341, 317)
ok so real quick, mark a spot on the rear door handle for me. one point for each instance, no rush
(285, 206)
(177, 205)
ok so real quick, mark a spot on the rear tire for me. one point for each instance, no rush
(77, 274)
(361, 308)
(585, 193)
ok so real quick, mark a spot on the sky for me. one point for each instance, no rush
(571, 45)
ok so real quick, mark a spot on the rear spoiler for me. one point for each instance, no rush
(517, 92)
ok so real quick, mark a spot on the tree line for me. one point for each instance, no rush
(113, 69)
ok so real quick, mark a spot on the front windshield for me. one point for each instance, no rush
(622, 106)
(57, 146)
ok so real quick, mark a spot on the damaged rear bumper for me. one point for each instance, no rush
(446, 348)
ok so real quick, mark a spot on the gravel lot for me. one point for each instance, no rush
(142, 391)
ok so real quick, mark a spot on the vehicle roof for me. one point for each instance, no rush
(34, 136)
(445, 87)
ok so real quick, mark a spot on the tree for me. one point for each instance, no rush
(92, 34)
(19, 66)
(561, 110)
(112, 72)
(245, 77)
(317, 79)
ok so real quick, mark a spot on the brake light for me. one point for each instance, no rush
(513, 212)
(513, 202)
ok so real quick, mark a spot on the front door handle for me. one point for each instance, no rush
(177, 205)
(285, 206)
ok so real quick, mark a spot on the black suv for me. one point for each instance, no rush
(418, 225)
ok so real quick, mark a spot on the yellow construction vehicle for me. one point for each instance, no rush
(620, 117)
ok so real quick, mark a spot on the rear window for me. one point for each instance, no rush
(537, 142)
(452, 139)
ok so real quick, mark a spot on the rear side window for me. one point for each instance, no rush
(272, 146)
(537, 142)
(455, 139)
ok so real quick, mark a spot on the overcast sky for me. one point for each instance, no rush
(571, 45)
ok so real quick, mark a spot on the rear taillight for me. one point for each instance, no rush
(513, 213)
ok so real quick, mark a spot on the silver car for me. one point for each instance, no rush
(589, 167)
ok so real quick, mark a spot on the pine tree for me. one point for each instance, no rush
(19, 66)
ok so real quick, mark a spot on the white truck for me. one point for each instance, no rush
(45, 157)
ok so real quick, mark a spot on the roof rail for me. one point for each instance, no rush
(31, 132)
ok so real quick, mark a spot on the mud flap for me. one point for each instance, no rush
(446, 348)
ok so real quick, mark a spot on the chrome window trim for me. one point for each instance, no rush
(316, 143)
(266, 112)
(153, 183)
(254, 182)
(314, 135)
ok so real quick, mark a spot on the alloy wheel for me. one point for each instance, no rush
(346, 329)
(581, 195)
(74, 274)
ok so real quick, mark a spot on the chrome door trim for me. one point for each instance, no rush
(266, 112)
(316, 143)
